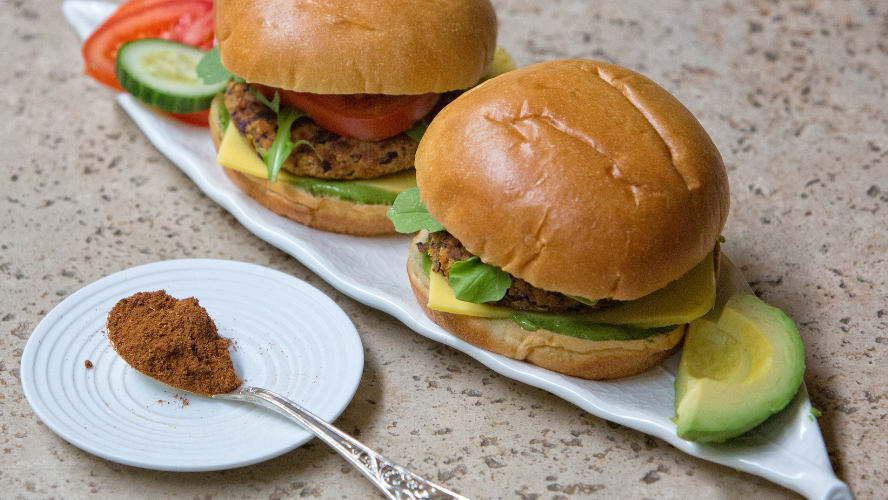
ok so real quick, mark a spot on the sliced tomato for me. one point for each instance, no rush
(171, 19)
(363, 116)
(132, 6)
(199, 118)
(196, 32)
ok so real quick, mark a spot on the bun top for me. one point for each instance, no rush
(357, 46)
(578, 176)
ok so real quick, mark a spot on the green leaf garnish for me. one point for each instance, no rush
(283, 145)
(224, 118)
(584, 300)
(274, 104)
(721, 239)
(417, 130)
(426, 264)
(210, 68)
(477, 282)
(410, 215)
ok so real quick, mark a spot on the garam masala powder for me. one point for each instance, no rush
(172, 341)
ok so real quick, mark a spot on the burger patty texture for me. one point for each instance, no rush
(444, 250)
(340, 157)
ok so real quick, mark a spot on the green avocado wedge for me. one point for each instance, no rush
(741, 364)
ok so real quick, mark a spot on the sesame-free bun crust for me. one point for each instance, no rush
(578, 176)
(594, 360)
(319, 212)
(357, 46)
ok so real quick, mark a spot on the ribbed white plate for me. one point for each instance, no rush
(788, 449)
(288, 337)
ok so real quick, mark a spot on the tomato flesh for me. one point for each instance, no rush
(371, 117)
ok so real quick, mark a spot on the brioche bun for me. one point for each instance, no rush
(580, 177)
(588, 359)
(357, 46)
(319, 212)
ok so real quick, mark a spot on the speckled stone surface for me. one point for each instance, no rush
(793, 93)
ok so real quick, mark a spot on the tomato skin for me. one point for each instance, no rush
(371, 117)
(137, 19)
(198, 118)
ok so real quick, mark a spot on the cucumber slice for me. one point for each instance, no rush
(163, 73)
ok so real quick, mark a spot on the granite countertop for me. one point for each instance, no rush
(794, 95)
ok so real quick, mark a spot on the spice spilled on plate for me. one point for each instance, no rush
(172, 341)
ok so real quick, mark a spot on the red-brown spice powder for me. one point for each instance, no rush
(172, 341)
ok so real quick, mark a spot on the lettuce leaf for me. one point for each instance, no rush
(210, 68)
(426, 264)
(477, 282)
(274, 104)
(410, 215)
(417, 130)
(283, 145)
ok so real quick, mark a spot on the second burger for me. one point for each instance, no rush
(351, 84)
(570, 215)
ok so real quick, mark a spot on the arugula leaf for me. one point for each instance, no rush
(274, 104)
(410, 215)
(584, 300)
(224, 118)
(477, 282)
(210, 68)
(417, 130)
(283, 145)
(426, 264)
(721, 239)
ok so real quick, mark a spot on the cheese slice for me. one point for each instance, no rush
(236, 154)
(443, 298)
(681, 301)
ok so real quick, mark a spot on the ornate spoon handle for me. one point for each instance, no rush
(395, 481)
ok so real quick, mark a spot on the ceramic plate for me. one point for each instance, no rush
(288, 337)
(788, 449)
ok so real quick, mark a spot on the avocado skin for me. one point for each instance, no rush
(736, 409)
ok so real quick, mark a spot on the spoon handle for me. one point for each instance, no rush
(395, 481)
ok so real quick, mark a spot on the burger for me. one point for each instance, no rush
(327, 100)
(568, 214)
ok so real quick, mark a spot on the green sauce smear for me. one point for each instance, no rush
(578, 327)
(346, 191)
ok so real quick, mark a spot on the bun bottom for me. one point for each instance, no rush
(318, 212)
(588, 359)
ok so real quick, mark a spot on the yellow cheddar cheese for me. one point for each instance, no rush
(443, 298)
(682, 301)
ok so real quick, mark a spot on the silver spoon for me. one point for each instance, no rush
(395, 481)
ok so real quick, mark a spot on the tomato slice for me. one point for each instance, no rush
(132, 6)
(199, 118)
(171, 19)
(370, 117)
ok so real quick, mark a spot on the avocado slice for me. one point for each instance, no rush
(741, 364)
